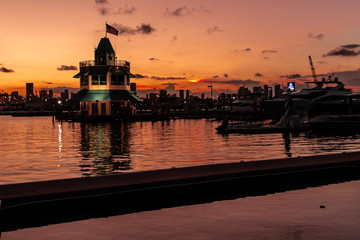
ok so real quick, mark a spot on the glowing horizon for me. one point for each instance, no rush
(190, 44)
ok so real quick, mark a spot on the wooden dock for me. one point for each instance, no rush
(46, 202)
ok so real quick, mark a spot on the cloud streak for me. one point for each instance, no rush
(67, 68)
(145, 29)
(292, 76)
(213, 29)
(6, 70)
(234, 82)
(139, 76)
(179, 12)
(320, 36)
(269, 51)
(348, 50)
(104, 8)
(184, 11)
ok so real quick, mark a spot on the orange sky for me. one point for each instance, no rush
(224, 43)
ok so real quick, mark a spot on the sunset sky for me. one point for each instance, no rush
(191, 44)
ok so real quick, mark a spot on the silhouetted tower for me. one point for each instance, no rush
(181, 94)
(105, 83)
(29, 90)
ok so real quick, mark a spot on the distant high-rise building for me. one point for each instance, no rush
(277, 90)
(66, 94)
(152, 96)
(202, 96)
(51, 93)
(266, 91)
(43, 94)
(270, 92)
(181, 94)
(14, 95)
(133, 87)
(29, 90)
(243, 91)
(257, 89)
(187, 94)
(163, 93)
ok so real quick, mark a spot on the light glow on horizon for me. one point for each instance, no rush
(259, 42)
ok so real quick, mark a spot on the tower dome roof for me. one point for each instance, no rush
(104, 47)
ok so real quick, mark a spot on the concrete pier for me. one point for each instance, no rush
(45, 202)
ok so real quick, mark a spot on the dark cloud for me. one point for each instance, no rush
(126, 10)
(48, 82)
(159, 78)
(140, 76)
(258, 75)
(235, 82)
(292, 76)
(350, 46)
(319, 36)
(167, 78)
(153, 59)
(6, 70)
(145, 29)
(108, 10)
(174, 39)
(66, 68)
(344, 50)
(101, 1)
(142, 29)
(226, 75)
(242, 50)
(216, 76)
(213, 29)
(104, 11)
(179, 12)
(169, 84)
(269, 51)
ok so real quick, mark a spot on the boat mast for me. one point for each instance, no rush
(312, 69)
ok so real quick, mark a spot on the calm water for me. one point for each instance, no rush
(36, 149)
(293, 215)
(33, 149)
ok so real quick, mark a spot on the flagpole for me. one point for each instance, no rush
(105, 29)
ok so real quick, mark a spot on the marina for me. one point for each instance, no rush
(213, 131)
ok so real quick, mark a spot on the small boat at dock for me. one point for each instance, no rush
(331, 123)
(258, 127)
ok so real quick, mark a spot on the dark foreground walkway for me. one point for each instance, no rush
(46, 202)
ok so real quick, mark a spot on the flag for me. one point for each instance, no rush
(111, 30)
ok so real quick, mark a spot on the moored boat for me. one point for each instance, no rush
(331, 123)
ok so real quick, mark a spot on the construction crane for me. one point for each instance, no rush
(312, 69)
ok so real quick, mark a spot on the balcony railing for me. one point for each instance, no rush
(108, 63)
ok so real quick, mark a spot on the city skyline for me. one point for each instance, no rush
(188, 44)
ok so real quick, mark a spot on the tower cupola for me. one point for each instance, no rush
(104, 53)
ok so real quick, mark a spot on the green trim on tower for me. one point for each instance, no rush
(105, 95)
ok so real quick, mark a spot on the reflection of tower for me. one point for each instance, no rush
(105, 148)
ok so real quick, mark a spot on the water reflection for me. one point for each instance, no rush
(104, 148)
(287, 142)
